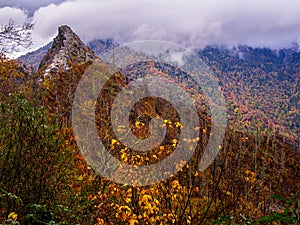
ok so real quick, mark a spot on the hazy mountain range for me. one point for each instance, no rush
(262, 83)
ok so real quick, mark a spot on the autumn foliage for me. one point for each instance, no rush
(45, 180)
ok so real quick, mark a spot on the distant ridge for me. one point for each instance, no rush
(34, 58)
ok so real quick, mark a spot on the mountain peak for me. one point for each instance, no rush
(66, 47)
(66, 34)
(65, 29)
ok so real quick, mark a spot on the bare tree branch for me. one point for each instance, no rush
(13, 36)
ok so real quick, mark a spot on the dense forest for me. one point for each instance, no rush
(44, 178)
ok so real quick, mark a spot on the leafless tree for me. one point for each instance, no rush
(13, 36)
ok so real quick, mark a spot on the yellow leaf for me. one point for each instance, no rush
(133, 221)
(13, 216)
(167, 121)
(174, 141)
(175, 184)
(178, 124)
(113, 141)
(196, 139)
(138, 124)
(80, 178)
(228, 193)
(189, 220)
(123, 156)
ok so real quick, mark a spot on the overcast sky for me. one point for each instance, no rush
(192, 23)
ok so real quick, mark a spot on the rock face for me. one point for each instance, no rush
(57, 81)
(66, 47)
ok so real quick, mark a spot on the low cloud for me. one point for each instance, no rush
(270, 23)
(7, 13)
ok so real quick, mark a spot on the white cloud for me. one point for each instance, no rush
(29, 5)
(193, 23)
(8, 13)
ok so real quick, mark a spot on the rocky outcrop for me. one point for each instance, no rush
(67, 47)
